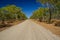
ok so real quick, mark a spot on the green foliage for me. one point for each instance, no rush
(39, 14)
(11, 12)
(54, 8)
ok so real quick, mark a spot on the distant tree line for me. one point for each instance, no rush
(40, 14)
(11, 13)
(48, 13)
(54, 8)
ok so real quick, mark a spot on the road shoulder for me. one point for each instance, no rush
(55, 30)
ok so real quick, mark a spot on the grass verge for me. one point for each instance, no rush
(51, 27)
(10, 24)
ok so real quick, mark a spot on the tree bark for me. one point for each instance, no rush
(49, 16)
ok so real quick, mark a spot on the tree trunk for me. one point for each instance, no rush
(3, 23)
(50, 15)
(40, 19)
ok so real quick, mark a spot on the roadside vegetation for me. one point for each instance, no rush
(10, 14)
(49, 14)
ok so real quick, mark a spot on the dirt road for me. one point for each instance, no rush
(27, 30)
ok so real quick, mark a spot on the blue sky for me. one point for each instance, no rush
(28, 6)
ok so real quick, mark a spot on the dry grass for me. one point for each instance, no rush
(51, 27)
(12, 24)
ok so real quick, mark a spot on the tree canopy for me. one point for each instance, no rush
(11, 13)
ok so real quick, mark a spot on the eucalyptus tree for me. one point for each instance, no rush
(17, 12)
(11, 12)
(39, 14)
(47, 2)
(2, 15)
(53, 5)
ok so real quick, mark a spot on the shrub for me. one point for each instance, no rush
(57, 23)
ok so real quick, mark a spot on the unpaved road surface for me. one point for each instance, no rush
(27, 30)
